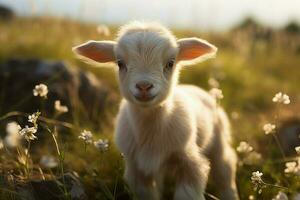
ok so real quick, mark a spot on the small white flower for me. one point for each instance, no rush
(102, 29)
(244, 147)
(48, 161)
(28, 133)
(235, 115)
(281, 98)
(269, 128)
(297, 149)
(251, 197)
(40, 90)
(216, 93)
(12, 140)
(102, 145)
(257, 181)
(13, 137)
(256, 177)
(60, 108)
(34, 117)
(212, 82)
(86, 136)
(281, 196)
(291, 168)
(13, 128)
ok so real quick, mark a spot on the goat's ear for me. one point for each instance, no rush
(99, 51)
(195, 50)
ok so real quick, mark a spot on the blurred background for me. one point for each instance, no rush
(259, 56)
(214, 15)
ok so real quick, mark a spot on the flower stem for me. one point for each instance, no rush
(278, 186)
(61, 163)
(27, 160)
(279, 145)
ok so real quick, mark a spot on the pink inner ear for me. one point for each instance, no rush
(94, 54)
(97, 51)
(192, 53)
(193, 48)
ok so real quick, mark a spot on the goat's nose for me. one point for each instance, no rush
(144, 86)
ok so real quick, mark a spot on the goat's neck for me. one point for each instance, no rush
(162, 109)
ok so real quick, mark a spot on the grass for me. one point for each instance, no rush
(250, 73)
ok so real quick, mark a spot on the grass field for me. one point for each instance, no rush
(250, 70)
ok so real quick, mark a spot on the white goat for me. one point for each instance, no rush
(164, 128)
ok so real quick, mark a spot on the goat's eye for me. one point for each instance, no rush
(121, 65)
(170, 64)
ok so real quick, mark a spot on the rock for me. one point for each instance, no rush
(80, 91)
(6, 13)
(53, 189)
(288, 135)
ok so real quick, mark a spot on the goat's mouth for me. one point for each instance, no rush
(144, 97)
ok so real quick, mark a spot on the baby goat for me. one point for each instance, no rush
(164, 128)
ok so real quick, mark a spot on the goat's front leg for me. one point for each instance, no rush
(144, 187)
(191, 175)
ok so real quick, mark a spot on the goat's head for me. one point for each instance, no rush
(147, 56)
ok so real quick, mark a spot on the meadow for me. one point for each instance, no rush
(253, 64)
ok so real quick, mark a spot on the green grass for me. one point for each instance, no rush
(249, 79)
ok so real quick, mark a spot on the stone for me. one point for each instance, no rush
(289, 135)
(53, 189)
(83, 94)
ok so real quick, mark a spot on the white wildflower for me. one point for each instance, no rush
(269, 128)
(48, 161)
(13, 128)
(257, 181)
(216, 93)
(102, 29)
(251, 197)
(13, 137)
(281, 196)
(102, 145)
(235, 115)
(256, 177)
(40, 90)
(281, 98)
(291, 168)
(34, 117)
(28, 133)
(12, 140)
(244, 147)
(86, 136)
(60, 108)
(212, 82)
(297, 149)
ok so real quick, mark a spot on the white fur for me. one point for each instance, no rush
(182, 131)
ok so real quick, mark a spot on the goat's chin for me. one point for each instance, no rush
(152, 102)
(148, 103)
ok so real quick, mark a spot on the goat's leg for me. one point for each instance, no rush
(223, 161)
(144, 187)
(191, 173)
(223, 169)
